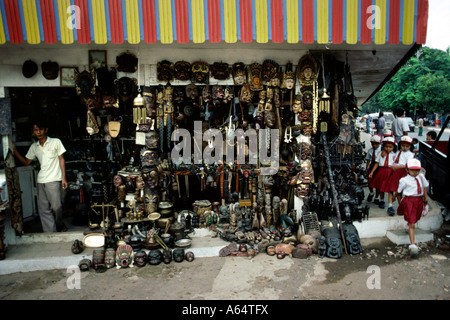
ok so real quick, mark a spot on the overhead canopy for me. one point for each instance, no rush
(198, 21)
(375, 36)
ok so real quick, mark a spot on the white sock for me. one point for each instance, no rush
(390, 205)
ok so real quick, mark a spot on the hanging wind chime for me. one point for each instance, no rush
(324, 104)
(139, 109)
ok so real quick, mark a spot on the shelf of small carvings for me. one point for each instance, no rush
(102, 139)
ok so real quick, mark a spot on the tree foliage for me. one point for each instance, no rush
(421, 86)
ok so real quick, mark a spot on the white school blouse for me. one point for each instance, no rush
(408, 185)
(381, 160)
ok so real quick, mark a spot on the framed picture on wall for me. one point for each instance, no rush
(97, 59)
(67, 76)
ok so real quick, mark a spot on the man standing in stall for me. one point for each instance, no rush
(51, 177)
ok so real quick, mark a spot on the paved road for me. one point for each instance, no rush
(445, 136)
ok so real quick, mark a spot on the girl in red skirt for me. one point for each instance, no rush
(413, 187)
(384, 161)
(371, 156)
(399, 168)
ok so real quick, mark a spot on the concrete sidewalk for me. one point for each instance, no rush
(48, 251)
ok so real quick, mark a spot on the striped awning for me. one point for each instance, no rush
(200, 21)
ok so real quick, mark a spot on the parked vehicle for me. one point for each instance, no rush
(436, 162)
(388, 116)
(411, 124)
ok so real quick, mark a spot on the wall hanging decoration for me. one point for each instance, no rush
(97, 59)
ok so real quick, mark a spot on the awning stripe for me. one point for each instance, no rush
(422, 21)
(308, 21)
(394, 22)
(366, 21)
(197, 21)
(408, 21)
(277, 21)
(246, 20)
(182, 21)
(322, 21)
(13, 20)
(337, 21)
(2, 24)
(293, 32)
(380, 22)
(148, 10)
(229, 10)
(214, 21)
(31, 24)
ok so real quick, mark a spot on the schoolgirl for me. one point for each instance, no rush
(404, 154)
(384, 161)
(414, 190)
(371, 156)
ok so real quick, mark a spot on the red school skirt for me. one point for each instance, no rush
(381, 180)
(395, 179)
(411, 208)
(370, 180)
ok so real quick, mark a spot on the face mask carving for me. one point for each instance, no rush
(140, 258)
(183, 70)
(124, 256)
(164, 71)
(151, 178)
(307, 70)
(297, 106)
(288, 77)
(269, 70)
(126, 88)
(85, 83)
(191, 91)
(110, 258)
(149, 158)
(269, 119)
(239, 74)
(246, 94)
(220, 71)
(255, 70)
(200, 72)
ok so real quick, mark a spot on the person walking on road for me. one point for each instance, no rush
(420, 126)
(399, 125)
(368, 120)
(381, 124)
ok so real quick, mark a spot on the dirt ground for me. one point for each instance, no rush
(384, 271)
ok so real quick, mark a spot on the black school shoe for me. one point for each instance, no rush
(381, 205)
(370, 197)
(376, 201)
(391, 211)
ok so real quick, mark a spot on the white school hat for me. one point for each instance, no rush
(375, 138)
(389, 140)
(406, 139)
(414, 164)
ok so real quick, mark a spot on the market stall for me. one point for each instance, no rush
(231, 116)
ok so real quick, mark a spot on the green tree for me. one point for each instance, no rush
(421, 85)
(433, 93)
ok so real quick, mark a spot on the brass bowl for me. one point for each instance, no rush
(183, 243)
(154, 216)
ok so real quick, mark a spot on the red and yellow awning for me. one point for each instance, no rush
(199, 21)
